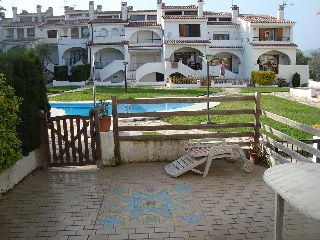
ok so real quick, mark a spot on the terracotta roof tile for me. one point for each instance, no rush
(73, 22)
(274, 45)
(260, 18)
(108, 20)
(226, 47)
(225, 14)
(182, 17)
(21, 24)
(107, 12)
(143, 24)
(141, 11)
(180, 7)
(145, 46)
(109, 43)
(222, 23)
(185, 41)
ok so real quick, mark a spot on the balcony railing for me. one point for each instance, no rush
(279, 39)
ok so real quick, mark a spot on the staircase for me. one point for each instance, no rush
(111, 69)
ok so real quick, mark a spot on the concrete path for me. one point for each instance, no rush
(140, 201)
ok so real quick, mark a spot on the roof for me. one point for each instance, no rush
(185, 41)
(107, 12)
(260, 18)
(144, 46)
(143, 24)
(109, 43)
(142, 11)
(74, 21)
(21, 24)
(236, 46)
(222, 23)
(225, 14)
(182, 17)
(274, 45)
(107, 20)
(180, 7)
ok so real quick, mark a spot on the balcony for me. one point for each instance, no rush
(272, 39)
(109, 39)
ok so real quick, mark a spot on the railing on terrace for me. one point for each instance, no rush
(273, 147)
(292, 154)
(251, 134)
(281, 39)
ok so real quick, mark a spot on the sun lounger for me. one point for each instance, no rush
(204, 151)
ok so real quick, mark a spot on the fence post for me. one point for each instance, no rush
(257, 113)
(98, 138)
(115, 127)
(44, 140)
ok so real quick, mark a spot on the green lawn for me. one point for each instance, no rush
(133, 92)
(56, 90)
(292, 110)
(264, 90)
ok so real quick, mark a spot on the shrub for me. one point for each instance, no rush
(80, 73)
(263, 77)
(296, 80)
(61, 73)
(282, 82)
(10, 144)
(23, 71)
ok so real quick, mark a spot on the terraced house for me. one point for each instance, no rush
(147, 46)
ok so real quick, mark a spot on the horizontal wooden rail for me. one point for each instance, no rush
(185, 127)
(68, 117)
(184, 100)
(186, 113)
(184, 136)
(277, 156)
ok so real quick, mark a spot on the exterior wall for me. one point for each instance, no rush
(287, 71)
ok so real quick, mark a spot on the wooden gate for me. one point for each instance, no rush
(70, 140)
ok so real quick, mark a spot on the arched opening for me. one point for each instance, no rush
(103, 32)
(115, 32)
(145, 36)
(230, 60)
(106, 56)
(74, 55)
(176, 75)
(270, 61)
(188, 56)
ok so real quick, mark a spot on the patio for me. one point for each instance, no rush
(139, 201)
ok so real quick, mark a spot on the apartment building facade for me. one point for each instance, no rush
(148, 46)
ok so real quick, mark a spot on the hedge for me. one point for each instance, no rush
(23, 71)
(80, 73)
(10, 144)
(296, 80)
(61, 73)
(263, 77)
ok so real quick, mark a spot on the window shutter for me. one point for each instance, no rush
(279, 34)
(181, 30)
(261, 34)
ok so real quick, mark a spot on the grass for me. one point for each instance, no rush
(292, 110)
(133, 92)
(264, 90)
(56, 90)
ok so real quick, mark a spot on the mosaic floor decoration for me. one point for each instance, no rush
(123, 206)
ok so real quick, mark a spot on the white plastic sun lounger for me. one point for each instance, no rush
(204, 151)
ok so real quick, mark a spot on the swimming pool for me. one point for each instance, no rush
(84, 108)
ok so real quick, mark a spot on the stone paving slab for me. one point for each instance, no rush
(140, 201)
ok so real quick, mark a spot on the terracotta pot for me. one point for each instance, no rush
(105, 123)
(254, 158)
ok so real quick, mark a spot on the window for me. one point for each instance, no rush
(52, 33)
(220, 36)
(26, 19)
(271, 34)
(224, 19)
(137, 17)
(210, 19)
(189, 30)
(227, 61)
(173, 13)
(193, 13)
(151, 17)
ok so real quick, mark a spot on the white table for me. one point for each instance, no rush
(299, 185)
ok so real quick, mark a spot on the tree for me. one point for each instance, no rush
(2, 14)
(314, 64)
(44, 52)
(301, 59)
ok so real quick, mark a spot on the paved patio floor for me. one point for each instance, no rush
(139, 201)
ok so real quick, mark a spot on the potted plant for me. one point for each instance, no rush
(104, 118)
(258, 154)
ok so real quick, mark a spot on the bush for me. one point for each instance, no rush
(263, 77)
(10, 144)
(80, 73)
(282, 82)
(296, 80)
(61, 73)
(23, 71)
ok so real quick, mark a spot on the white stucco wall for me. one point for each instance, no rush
(287, 71)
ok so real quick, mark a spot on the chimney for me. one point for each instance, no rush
(50, 12)
(200, 8)
(124, 11)
(15, 14)
(91, 10)
(235, 13)
(280, 12)
(39, 14)
(99, 8)
(159, 11)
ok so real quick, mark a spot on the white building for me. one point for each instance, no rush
(159, 43)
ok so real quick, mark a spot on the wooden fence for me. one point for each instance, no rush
(256, 111)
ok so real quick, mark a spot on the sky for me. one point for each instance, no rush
(303, 12)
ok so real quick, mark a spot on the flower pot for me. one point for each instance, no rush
(254, 158)
(105, 123)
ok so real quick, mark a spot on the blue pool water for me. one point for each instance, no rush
(84, 108)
